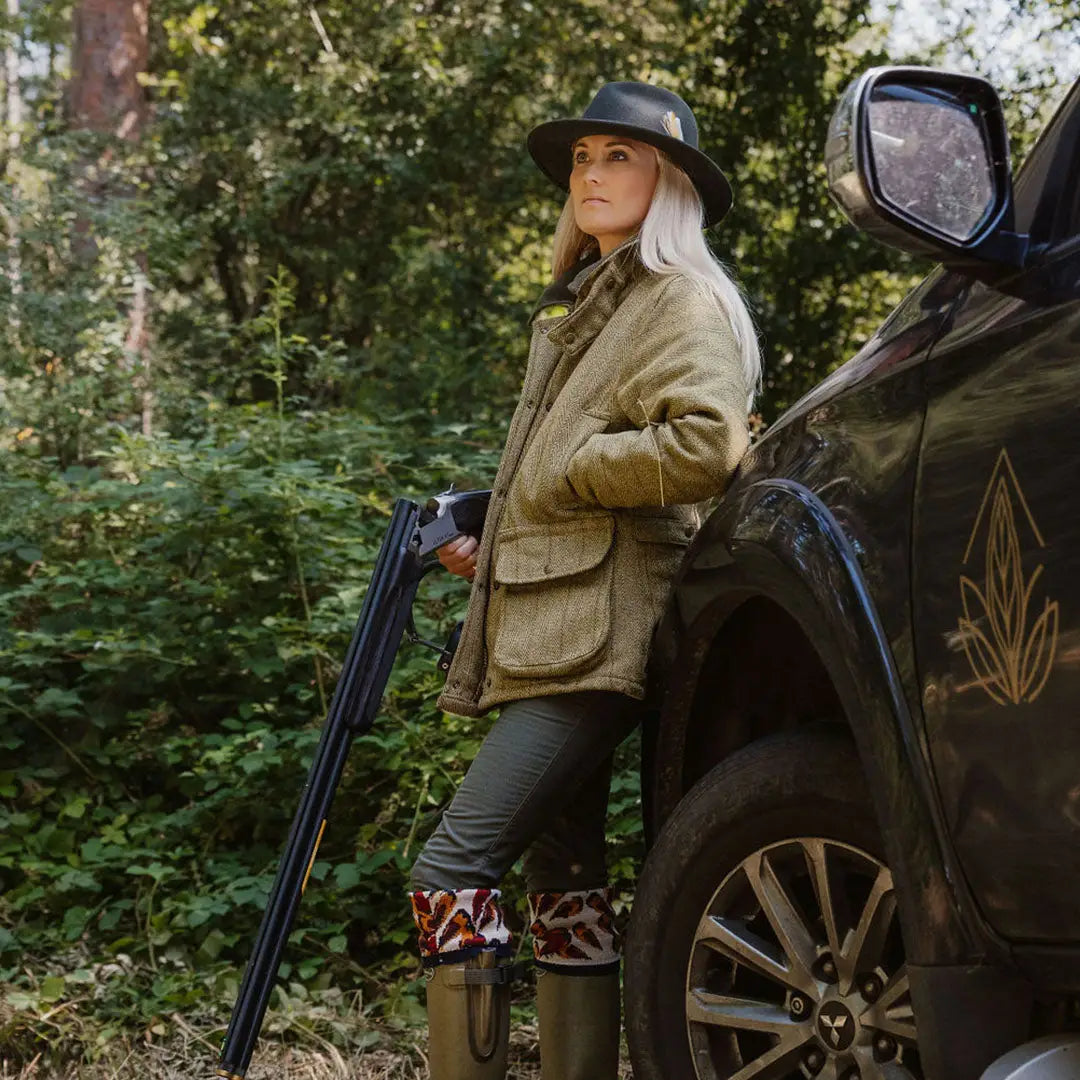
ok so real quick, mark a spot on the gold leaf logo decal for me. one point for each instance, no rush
(673, 125)
(1011, 660)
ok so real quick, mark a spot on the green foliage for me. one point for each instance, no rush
(173, 615)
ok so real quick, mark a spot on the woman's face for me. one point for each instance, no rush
(612, 183)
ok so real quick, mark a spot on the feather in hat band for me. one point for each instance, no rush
(673, 125)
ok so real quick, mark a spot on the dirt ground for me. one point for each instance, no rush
(187, 1055)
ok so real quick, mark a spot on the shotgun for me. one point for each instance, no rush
(404, 559)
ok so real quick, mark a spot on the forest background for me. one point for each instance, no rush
(267, 266)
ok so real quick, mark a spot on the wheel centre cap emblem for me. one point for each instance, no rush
(836, 1026)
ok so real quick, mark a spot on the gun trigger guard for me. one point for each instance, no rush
(414, 637)
(446, 652)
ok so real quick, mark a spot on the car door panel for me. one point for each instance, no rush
(996, 584)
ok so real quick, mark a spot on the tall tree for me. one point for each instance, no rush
(13, 122)
(106, 96)
(110, 50)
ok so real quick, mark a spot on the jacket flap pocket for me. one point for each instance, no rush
(531, 553)
(660, 530)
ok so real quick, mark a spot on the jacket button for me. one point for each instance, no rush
(570, 339)
(689, 530)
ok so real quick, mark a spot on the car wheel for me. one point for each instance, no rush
(764, 942)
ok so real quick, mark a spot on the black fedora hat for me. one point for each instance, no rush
(639, 111)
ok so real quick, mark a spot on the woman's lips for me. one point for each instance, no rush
(594, 198)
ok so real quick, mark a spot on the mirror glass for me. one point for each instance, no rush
(931, 157)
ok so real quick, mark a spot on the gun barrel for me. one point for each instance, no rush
(352, 711)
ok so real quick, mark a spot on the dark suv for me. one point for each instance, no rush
(864, 779)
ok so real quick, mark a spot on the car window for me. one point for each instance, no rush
(1047, 190)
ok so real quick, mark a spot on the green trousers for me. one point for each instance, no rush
(539, 786)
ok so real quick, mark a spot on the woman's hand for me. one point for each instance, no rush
(459, 556)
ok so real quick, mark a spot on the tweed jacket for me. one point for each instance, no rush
(632, 412)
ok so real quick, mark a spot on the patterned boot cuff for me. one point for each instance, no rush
(574, 932)
(457, 924)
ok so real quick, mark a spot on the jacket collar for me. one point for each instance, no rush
(600, 289)
(576, 282)
(564, 289)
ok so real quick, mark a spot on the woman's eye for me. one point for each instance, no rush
(581, 155)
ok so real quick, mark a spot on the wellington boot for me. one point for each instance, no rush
(468, 1007)
(579, 1025)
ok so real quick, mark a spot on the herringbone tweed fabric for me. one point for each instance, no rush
(632, 412)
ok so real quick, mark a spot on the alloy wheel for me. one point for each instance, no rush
(797, 971)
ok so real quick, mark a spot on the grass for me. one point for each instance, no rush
(185, 1053)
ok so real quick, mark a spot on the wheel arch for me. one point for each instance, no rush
(760, 675)
(775, 562)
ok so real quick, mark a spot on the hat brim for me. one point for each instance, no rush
(549, 145)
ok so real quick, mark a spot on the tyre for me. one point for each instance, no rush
(764, 942)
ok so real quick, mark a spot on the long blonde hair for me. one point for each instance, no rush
(672, 241)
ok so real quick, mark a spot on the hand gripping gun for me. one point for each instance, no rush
(403, 560)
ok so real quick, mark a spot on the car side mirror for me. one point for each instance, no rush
(919, 158)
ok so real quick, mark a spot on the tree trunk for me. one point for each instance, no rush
(111, 49)
(13, 122)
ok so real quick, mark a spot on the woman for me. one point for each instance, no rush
(641, 370)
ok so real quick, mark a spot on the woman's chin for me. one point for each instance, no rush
(594, 221)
